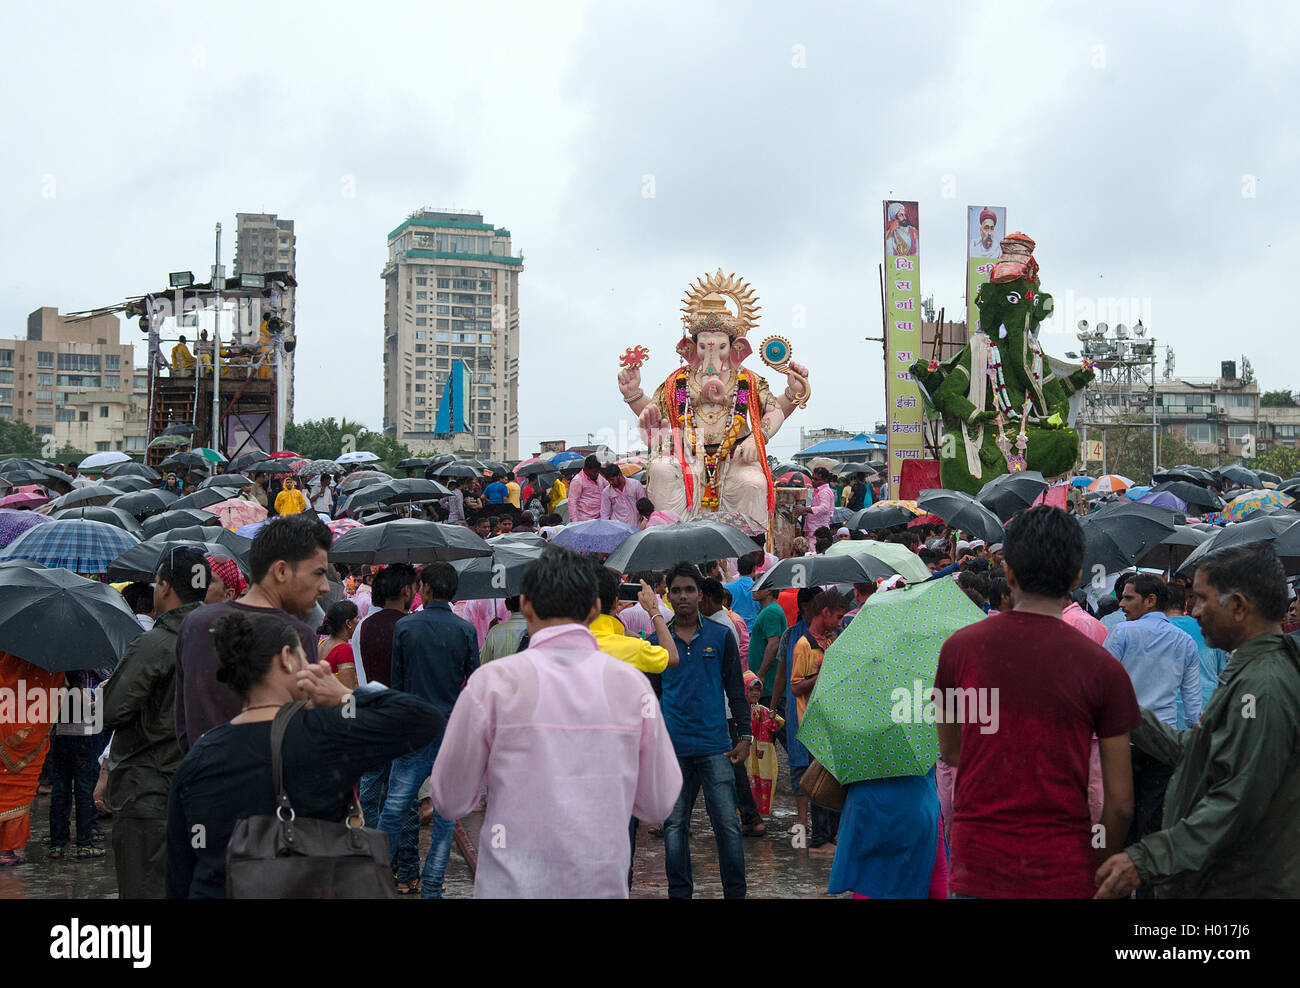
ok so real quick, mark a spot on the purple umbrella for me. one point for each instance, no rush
(597, 535)
(14, 523)
(1164, 499)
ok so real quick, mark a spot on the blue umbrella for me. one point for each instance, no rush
(597, 535)
(1082, 481)
(78, 544)
(248, 531)
(1137, 493)
(566, 456)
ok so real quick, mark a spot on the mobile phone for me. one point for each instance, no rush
(629, 591)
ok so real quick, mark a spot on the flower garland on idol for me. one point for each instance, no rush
(709, 498)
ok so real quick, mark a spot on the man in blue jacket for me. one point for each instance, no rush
(697, 692)
(434, 653)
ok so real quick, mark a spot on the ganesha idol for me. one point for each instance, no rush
(707, 425)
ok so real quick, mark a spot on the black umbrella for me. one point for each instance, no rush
(204, 497)
(441, 458)
(21, 463)
(879, 516)
(535, 469)
(237, 463)
(961, 511)
(131, 469)
(662, 547)
(62, 622)
(816, 571)
(1268, 477)
(178, 518)
(1193, 493)
(86, 496)
(180, 429)
(855, 468)
(144, 503)
(1238, 475)
(1009, 493)
(98, 512)
(185, 461)
(363, 478)
(141, 562)
(1117, 540)
(457, 469)
(500, 575)
(1155, 512)
(236, 545)
(787, 467)
(415, 462)
(1264, 528)
(228, 481)
(1171, 553)
(130, 483)
(515, 540)
(407, 540)
(403, 491)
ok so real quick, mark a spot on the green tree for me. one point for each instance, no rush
(1281, 460)
(327, 439)
(1277, 399)
(69, 454)
(20, 439)
(1128, 452)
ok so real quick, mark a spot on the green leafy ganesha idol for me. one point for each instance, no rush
(1005, 405)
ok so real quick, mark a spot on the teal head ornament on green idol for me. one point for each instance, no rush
(1004, 405)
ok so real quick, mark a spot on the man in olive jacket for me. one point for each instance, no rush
(139, 701)
(1232, 804)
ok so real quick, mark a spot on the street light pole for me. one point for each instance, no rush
(218, 283)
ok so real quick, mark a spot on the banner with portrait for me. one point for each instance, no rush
(902, 337)
(985, 228)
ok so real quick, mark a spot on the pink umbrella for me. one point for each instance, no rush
(23, 500)
(235, 512)
(341, 525)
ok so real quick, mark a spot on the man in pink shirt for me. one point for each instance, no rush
(619, 496)
(570, 743)
(818, 513)
(585, 491)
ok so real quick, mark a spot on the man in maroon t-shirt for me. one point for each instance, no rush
(1021, 826)
(393, 592)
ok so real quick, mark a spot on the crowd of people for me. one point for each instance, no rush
(581, 721)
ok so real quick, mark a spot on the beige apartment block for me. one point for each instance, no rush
(74, 379)
(451, 293)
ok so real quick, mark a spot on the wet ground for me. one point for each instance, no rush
(774, 868)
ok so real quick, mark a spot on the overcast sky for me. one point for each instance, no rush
(631, 147)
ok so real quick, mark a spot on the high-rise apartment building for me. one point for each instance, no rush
(451, 293)
(74, 379)
(264, 243)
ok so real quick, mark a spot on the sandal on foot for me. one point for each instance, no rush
(11, 858)
(757, 830)
(409, 888)
(98, 836)
(55, 851)
(83, 853)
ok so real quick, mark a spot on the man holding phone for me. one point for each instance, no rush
(612, 638)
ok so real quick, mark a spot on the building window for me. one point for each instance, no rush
(6, 411)
(6, 358)
(1286, 432)
(443, 324)
(421, 308)
(45, 358)
(135, 443)
(444, 297)
(421, 334)
(112, 381)
(419, 348)
(421, 281)
(442, 350)
(422, 295)
(78, 380)
(419, 375)
(44, 395)
(79, 362)
(45, 380)
(103, 447)
(65, 415)
(484, 337)
(421, 321)
(83, 416)
(112, 362)
(442, 283)
(1201, 432)
(45, 415)
(440, 337)
(419, 361)
(141, 382)
(485, 286)
(419, 388)
(103, 411)
(6, 377)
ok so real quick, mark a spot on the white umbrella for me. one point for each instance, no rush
(98, 460)
(357, 456)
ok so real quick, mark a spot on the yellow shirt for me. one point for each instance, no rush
(559, 491)
(512, 494)
(182, 359)
(612, 639)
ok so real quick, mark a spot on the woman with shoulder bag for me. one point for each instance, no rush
(327, 745)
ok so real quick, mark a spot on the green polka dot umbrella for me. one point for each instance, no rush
(862, 721)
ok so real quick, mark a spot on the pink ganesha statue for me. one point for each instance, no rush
(707, 425)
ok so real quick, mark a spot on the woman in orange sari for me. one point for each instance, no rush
(23, 746)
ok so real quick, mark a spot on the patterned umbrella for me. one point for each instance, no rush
(317, 467)
(1112, 482)
(858, 724)
(235, 512)
(737, 520)
(339, 526)
(1242, 507)
(14, 523)
(72, 543)
(597, 535)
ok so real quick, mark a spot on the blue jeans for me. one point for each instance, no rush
(400, 820)
(74, 764)
(716, 776)
(371, 792)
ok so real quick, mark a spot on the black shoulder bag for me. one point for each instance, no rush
(276, 856)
